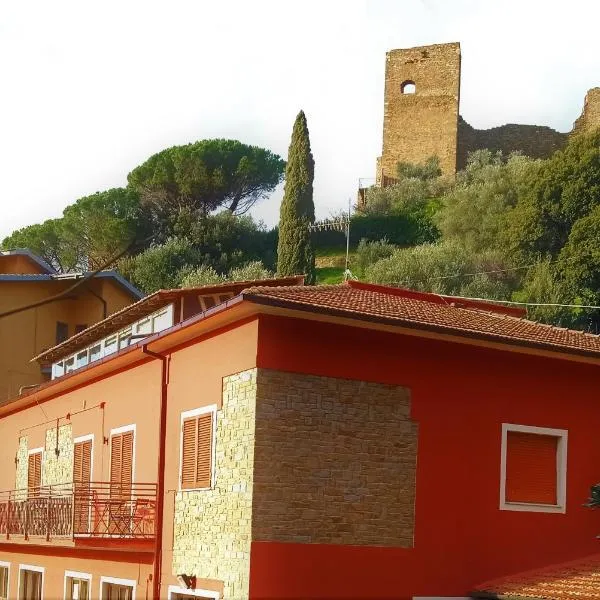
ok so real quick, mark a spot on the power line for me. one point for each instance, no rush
(85, 278)
(555, 304)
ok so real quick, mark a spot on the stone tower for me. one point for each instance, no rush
(422, 89)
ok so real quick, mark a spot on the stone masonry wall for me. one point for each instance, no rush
(58, 469)
(334, 461)
(213, 527)
(22, 464)
(417, 126)
(590, 117)
(532, 140)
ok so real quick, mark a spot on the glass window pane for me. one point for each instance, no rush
(95, 352)
(162, 320)
(110, 345)
(82, 359)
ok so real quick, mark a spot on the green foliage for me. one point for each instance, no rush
(429, 170)
(368, 253)
(43, 239)
(202, 177)
(199, 276)
(295, 254)
(90, 232)
(250, 271)
(162, 266)
(564, 189)
(475, 210)
(444, 268)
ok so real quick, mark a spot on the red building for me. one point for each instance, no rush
(283, 441)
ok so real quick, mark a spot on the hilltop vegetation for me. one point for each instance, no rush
(508, 227)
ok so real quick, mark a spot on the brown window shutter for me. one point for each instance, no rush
(531, 468)
(127, 460)
(188, 454)
(196, 452)
(34, 472)
(82, 461)
(204, 460)
(115, 458)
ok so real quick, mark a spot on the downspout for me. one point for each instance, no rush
(160, 492)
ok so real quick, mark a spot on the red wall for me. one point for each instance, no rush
(460, 397)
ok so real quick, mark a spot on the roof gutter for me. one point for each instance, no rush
(160, 492)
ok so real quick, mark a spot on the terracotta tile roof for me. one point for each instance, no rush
(427, 311)
(147, 305)
(575, 580)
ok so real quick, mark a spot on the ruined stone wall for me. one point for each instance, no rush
(212, 532)
(334, 461)
(590, 116)
(417, 126)
(533, 140)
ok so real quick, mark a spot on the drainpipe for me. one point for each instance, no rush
(160, 492)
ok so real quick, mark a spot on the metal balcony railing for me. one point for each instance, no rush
(80, 509)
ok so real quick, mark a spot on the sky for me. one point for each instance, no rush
(91, 89)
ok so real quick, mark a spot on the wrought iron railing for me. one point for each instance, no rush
(80, 509)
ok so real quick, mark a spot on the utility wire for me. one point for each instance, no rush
(556, 304)
(85, 278)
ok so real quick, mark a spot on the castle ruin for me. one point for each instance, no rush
(422, 118)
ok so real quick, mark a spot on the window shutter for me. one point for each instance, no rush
(34, 472)
(115, 459)
(204, 460)
(196, 459)
(82, 461)
(531, 468)
(188, 458)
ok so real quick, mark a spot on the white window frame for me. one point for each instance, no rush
(23, 567)
(116, 580)
(173, 589)
(561, 470)
(77, 575)
(116, 431)
(189, 414)
(5, 564)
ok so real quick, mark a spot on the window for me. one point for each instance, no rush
(31, 582)
(4, 578)
(80, 328)
(197, 448)
(77, 586)
(34, 472)
(178, 593)
(121, 457)
(533, 469)
(62, 331)
(408, 87)
(117, 589)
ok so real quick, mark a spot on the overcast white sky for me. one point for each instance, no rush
(91, 89)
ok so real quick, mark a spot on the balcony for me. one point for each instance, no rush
(79, 511)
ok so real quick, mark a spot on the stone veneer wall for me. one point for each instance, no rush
(334, 461)
(212, 533)
(22, 465)
(58, 469)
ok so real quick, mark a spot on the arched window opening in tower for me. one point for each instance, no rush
(408, 87)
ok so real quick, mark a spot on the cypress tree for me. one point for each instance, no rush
(295, 254)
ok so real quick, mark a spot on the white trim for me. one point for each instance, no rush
(23, 567)
(35, 451)
(561, 470)
(4, 563)
(77, 574)
(173, 589)
(189, 414)
(117, 431)
(132, 583)
(87, 438)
